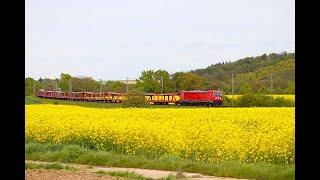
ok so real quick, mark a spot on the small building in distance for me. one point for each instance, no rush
(124, 81)
(128, 81)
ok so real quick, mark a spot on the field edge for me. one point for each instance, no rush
(79, 155)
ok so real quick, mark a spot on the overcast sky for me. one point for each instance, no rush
(115, 39)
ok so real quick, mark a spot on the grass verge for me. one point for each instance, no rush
(56, 166)
(132, 175)
(37, 100)
(124, 174)
(80, 155)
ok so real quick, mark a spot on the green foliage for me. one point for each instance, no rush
(253, 70)
(47, 84)
(44, 166)
(258, 100)
(291, 88)
(147, 82)
(245, 88)
(168, 85)
(135, 99)
(85, 84)
(281, 102)
(55, 165)
(32, 100)
(151, 81)
(64, 81)
(126, 174)
(115, 86)
(227, 101)
(29, 83)
(189, 81)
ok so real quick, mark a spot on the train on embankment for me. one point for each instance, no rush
(194, 98)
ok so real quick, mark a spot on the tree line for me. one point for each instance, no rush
(262, 74)
(150, 81)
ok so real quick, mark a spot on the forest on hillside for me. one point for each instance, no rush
(266, 73)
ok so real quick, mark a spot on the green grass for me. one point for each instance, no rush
(56, 166)
(132, 175)
(80, 155)
(37, 100)
(124, 174)
(32, 100)
(173, 177)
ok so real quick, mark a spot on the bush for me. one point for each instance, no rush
(280, 101)
(250, 100)
(227, 101)
(135, 99)
(55, 102)
(258, 100)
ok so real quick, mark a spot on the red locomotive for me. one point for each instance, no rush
(207, 98)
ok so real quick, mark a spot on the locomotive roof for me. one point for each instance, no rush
(199, 91)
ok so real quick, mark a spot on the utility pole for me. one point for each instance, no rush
(232, 88)
(100, 85)
(162, 84)
(127, 85)
(70, 89)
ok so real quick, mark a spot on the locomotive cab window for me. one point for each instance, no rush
(217, 94)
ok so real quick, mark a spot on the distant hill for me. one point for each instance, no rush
(256, 74)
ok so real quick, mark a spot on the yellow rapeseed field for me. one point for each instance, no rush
(203, 134)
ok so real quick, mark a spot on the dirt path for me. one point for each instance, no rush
(154, 174)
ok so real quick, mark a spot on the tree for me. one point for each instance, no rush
(177, 79)
(291, 88)
(264, 56)
(245, 88)
(147, 82)
(47, 84)
(115, 86)
(151, 81)
(29, 84)
(135, 99)
(85, 84)
(64, 81)
(162, 75)
(189, 81)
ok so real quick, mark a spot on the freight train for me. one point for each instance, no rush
(196, 97)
